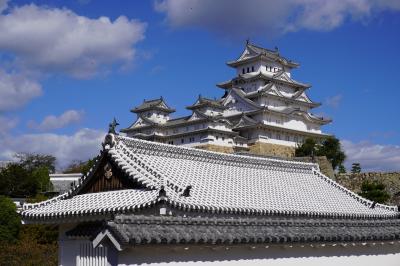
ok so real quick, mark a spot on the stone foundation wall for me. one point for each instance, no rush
(390, 180)
(268, 149)
(324, 165)
(216, 148)
(274, 150)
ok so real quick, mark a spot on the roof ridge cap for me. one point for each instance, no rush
(175, 148)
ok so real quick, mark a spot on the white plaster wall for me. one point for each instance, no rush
(385, 255)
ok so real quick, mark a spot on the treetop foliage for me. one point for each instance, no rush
(330, 147)
(80, 166)
(10, 221)
(374, 191)
(27, 177)
(355, 168)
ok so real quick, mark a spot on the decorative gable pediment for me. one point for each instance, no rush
(107, 177)
(140, 122)
(238, 104)
(194, 116)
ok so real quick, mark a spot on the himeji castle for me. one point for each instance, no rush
(150, 203)
(263, 109)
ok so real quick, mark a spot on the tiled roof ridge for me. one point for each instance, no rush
(146, 146)
(137, 171)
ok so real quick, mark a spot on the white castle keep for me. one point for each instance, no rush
(262, 106)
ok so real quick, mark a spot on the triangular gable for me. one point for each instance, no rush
(247, 53)
(195, 116)
(245, 121)
(141, 122)
(107, 177)
(236, 102)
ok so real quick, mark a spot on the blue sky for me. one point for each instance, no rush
(68, 67)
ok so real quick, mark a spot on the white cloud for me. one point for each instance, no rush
(240, 18)
(16, 90)
(7, 123)
(334, 101)
(82, 145)
(3, 5)
(54, 122)
(372, 157)
(55, 40)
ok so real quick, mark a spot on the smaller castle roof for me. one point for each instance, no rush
(155, 104)
(254, 52)
(206, 102)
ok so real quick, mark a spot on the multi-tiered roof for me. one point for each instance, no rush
(263, 90)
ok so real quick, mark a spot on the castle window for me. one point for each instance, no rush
(278, 136)
(252, 68)
(243, 71)
(191, 139)
(288, 138)
(248, 70)
(182, 141)
(223, 138)
(217, 137)
(171, 142)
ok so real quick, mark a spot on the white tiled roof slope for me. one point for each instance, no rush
(221, 183)
(233, 183)
(95, 203)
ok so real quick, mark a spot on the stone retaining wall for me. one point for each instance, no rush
(390, 180)
(269, 149)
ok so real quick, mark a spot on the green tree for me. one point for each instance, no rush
(27, 177)
(80, 166)
(330, 147)
(10, 221)
(307, 148)
(374, 191)
(341, 169)
(32, 161)
(355, 168)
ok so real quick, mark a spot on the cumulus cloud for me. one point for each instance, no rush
(7, 123)
(372, 157)
(54, 40)
(334, 101)
(82, 145)
(54, 122)
(239, 18)
(3, 5)
(16, 90)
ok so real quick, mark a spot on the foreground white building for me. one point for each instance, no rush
(262, 105)
(148, 203)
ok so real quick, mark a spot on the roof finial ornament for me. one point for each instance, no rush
(247, 41)
(112, 126)
(276, 49)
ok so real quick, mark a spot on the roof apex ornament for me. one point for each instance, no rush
(112, 126)
(247, 41)
(109, 141)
